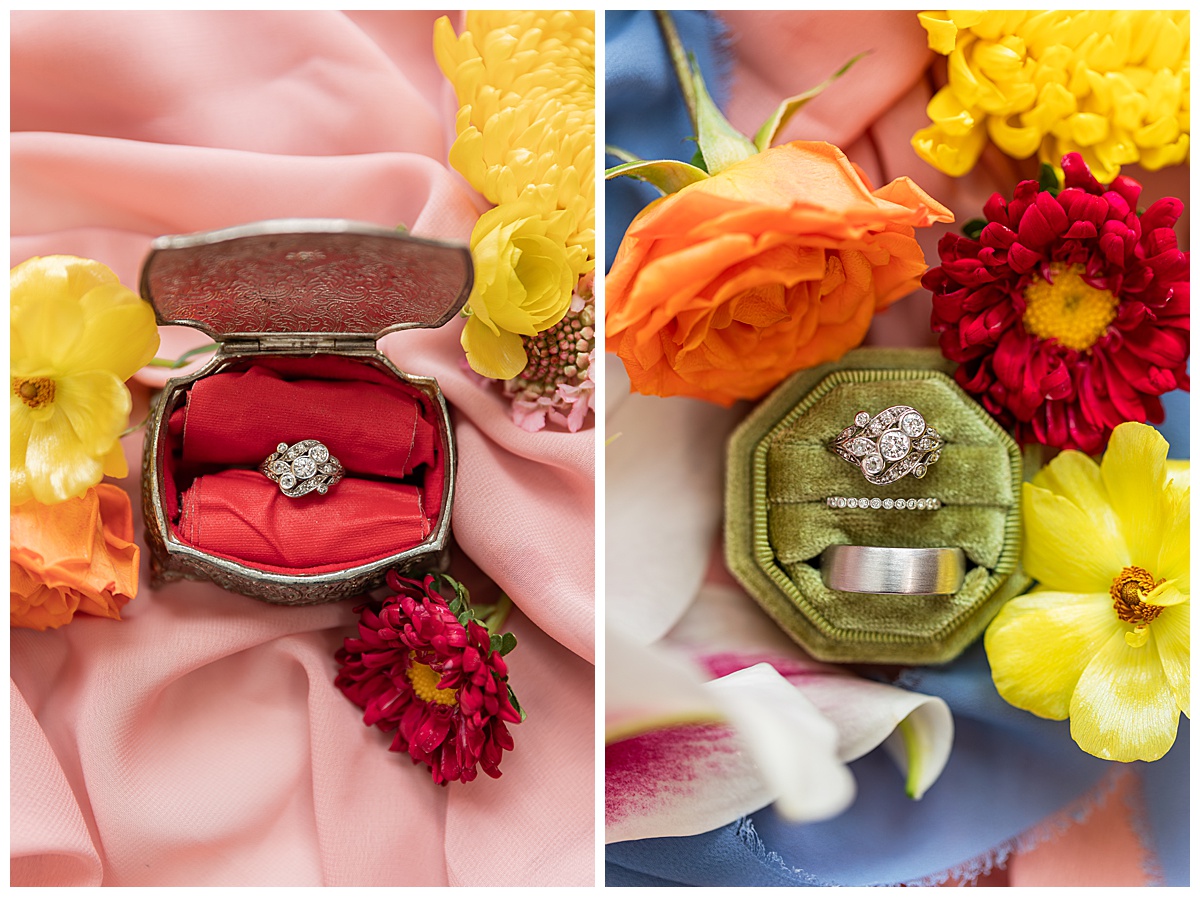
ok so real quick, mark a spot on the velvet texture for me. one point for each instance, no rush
(201, 741)
(780, 471)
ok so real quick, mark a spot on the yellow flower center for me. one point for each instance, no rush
(1067, 309)
(33, 391)
(1128, 589)
(425, 681)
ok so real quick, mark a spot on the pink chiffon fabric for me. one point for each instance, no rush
(872, 113)
(201, 741)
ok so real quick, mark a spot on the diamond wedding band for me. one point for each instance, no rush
(890, 445)
(302, 468)
(886, 504)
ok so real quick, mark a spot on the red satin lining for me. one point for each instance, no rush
(243, 515)
(383, 431)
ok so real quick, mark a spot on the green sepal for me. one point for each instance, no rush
(497, 642)
(973, 228)
(721, 143)
(668, 175)
(1048, 179)
(512, 697)
(789, 107)
(698, 160)
(508, 641)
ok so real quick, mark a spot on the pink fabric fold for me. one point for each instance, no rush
(201, 740)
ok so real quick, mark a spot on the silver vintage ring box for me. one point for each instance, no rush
(298, 300)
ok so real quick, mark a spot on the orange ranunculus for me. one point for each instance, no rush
(774, 264)
(76, 556)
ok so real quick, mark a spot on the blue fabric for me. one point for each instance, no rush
(1008, 771)
(644, 110)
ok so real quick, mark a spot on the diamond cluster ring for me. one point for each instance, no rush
(890, 445)
(301, 468)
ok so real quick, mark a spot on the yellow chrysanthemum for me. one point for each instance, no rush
(1113, 86)
(76, 336)
(526, 88)
(1104, 638)
(524, 274)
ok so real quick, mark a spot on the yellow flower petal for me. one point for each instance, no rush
(43, 335)
(1174, 553)
(1076, 477)
(59, 466)
(1172, 635)
(120, 334)
(1123, 708)
(498, 355)
(1039, 645)
(37, 280)
(96, 404)
(115, 464)
(20, 425)
(1063, 547)
(1134, 471)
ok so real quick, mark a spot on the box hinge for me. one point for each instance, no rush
(299, 342)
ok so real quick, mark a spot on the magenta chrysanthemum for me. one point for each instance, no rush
(427, 670)
(1070, 313)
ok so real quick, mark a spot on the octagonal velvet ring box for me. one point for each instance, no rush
(296, 307)
(778, 517)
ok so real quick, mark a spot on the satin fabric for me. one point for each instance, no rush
(990, 809)
(201, 741)
(241, 515)
(239, 418)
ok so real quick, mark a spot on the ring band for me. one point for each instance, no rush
(886, 504)
(893, 571)
(890, 445)
(303, 467)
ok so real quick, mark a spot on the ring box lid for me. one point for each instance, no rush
(304, 279)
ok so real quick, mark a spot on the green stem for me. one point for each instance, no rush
(182, 359)
(495, 616)
(622, 154)
(913, 751)
(679, 63)
(145, 420)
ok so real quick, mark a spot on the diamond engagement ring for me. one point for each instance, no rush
(303, 467)
(890, 445)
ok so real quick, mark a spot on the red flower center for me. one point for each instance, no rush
(34, 391)
(1067, 309)
(425, 681)
(1128, 589)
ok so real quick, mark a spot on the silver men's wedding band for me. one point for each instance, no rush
(893, 571)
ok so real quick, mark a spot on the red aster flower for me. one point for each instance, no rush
(1070, 313)
(426, 669)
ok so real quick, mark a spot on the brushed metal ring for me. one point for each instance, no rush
(303, 467)
(894, 443)
(876, 570)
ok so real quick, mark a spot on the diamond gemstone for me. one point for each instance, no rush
(887, 503)
(841, 502)
(304, 467)
(852, 503)
(861, 447)
(893, 445)
(873, 464)
(920, 504)
(920, 470)
(281, 448)
(876, 503)
(319, 453)
(912, 504)
(281, 466)
(862, 418)
(912, 424)
(287, 481)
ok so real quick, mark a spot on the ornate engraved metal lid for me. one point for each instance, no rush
(305, 276)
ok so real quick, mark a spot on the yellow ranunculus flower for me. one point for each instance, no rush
(1111, 85)
(1105, 637)
(76, 336)
(524, 274)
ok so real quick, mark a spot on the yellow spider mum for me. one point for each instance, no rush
(1113, 86)
(76, 336)
(526, 126)
(1105, 637)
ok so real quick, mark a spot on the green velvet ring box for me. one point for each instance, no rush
(777, 521)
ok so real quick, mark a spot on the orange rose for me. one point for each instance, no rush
(75, 556)
(776, 263)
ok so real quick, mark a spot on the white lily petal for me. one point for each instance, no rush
(794, 746)
(663, 490)
(649, 688)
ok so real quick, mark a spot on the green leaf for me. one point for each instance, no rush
(508, 641)
(668, 175)
(623, 154)
(497, 643)
(1048, 179)
(789, 107)
(973, 228)
(512, 697)
(720, 142)
(698, 160)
